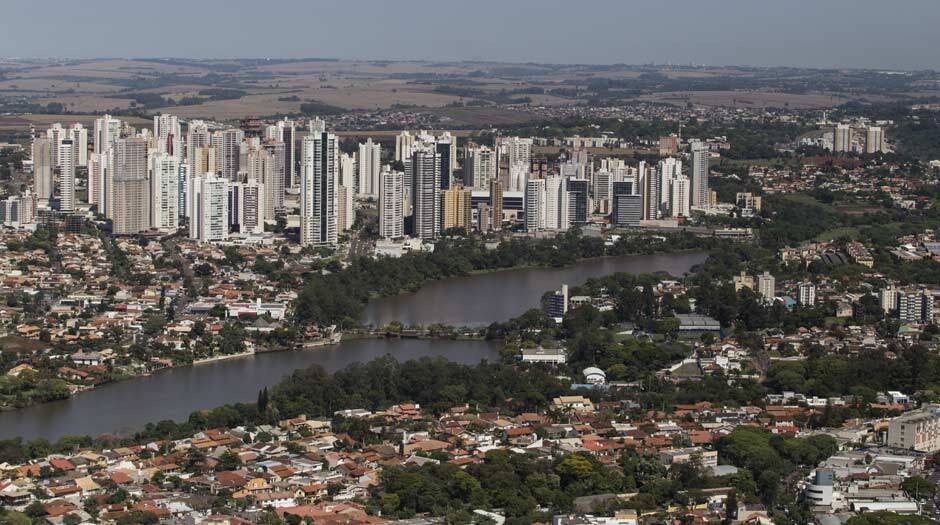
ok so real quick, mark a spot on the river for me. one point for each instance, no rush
(123, 407)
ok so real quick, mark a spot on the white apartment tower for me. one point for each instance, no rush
(164, 191)
(209, 202)
(766, 286)
(479, 167)
(369, 165)
(67, 175)
(391, 204)
(535, 209)
(426, 192)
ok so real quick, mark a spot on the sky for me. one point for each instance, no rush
(882, 34)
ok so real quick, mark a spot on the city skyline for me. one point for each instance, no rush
(803, 34)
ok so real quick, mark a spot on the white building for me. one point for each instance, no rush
(807, 294)
(766, 286)
(535, 208)
(479, 167)
(164, 189)
(369, 164)
(679, 201)
(209, 197)
(426, 193)
(917, 430)
(556, 203)
(67, 175)
(391, 204)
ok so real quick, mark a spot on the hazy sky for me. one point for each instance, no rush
(898, 34)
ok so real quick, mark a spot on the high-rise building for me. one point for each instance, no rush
(915, 306)
(627, 208)
(889, 299)
(167, 134)
(679, 197)
(391, 204)
(79, 136)
(842, 138)
(67, 175)
(130, 197)
(286, 134)
(274, 177)
(98, 180)
(231, 153)
(369, 165)
(496, 204)
(603, 190)
(107, 132)
(197, 138)
(874, 140)
(18, 210)
(426, 192)
(210, 218)
(43, 180)
(318, 221)
(651, 190)
(479, 167)
(456, 209)
(164, 191)
(535, 209)
(345, 207)
(807, 294)
(699, 174)
(404, 143)
(766, 286)
(56, 134)
(578, 199)
(446, 147)
(556, 203)
(248, 202)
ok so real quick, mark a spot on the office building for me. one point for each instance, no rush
(446, 146)
(43, 180)
(318, 220)
(627, 208)
(766, 286)
(391, 204)
(699, 174)
(369, 166)
(164, 191)
(456, 209)
(578, 200)
(425, 192)
(130, 196)
(535, 209)
(287, 135)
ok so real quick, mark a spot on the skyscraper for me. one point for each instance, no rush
(391, 204)
(274, 177)
(286, 133)
(627, 207)
(404, 143)
(556, 203)
(210, 218)
(164, 189)
(679, 197)
(535, 205)
(345, 207)
(479, 167)
(167, 134)
(42, 168)
(131, 193)
(369, 165)
(874, 140)
(426, 192)
(107, 132)
(318, 221)
(98, 179)
(249, 201)
(496, 204)
(699, 174)
(67, 175)
(79, 136)
(603, 190)
(231, 153)
(578, 201)
(197, 137)
(56, 134)
(456, 212)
